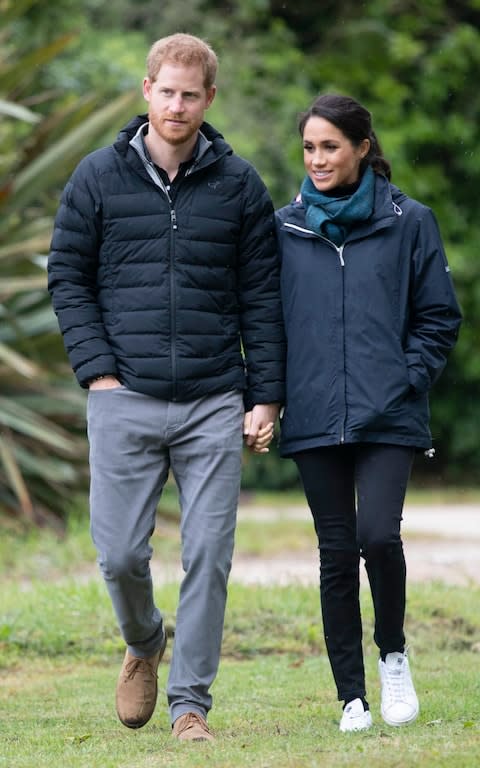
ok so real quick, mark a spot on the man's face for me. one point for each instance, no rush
(177, 102)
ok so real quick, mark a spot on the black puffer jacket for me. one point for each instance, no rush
(369, 325)
(164, 296)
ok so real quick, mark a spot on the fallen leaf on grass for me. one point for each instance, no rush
(79, 739)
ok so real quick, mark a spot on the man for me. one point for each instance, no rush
(164, 277)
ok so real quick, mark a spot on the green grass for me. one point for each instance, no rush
(274, 698)
(277, 710)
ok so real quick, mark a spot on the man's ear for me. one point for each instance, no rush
(211, 95)
(147, 88)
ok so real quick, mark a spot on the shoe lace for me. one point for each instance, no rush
(137, 665)
(190, 720)
(396, 681)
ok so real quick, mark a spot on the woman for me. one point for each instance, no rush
(370, 314)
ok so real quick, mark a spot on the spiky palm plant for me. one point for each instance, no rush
(42, 442)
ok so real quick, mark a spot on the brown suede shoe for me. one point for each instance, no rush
(192, 727)
(136, 695)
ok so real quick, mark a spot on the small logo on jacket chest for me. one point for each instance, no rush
(214, 185)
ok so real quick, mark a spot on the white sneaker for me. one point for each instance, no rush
(399, 700)
(355, 717)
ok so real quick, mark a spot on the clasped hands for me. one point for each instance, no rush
(258, 426)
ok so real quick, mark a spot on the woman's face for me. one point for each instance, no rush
(330, 158)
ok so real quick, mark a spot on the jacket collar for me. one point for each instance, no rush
(211, 146)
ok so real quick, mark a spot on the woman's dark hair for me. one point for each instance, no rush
(354, 121)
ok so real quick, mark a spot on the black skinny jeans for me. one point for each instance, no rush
(356, 494)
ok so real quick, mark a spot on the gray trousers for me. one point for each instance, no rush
(134, 440)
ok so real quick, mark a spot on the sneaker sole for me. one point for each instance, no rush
(400, 723)
(367, 725)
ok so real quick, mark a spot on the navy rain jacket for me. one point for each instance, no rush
(369, 325)
(163, 295)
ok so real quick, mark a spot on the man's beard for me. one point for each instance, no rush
(173, 136)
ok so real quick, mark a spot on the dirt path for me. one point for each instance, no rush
(441, 543)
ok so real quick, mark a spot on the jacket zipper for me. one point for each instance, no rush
(339, 249)
(173, 303)
(344, 421)
(158, 181)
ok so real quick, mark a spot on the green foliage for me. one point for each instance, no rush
(268, 471)
(42, 443)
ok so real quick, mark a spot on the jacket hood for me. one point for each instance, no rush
(398, 196)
